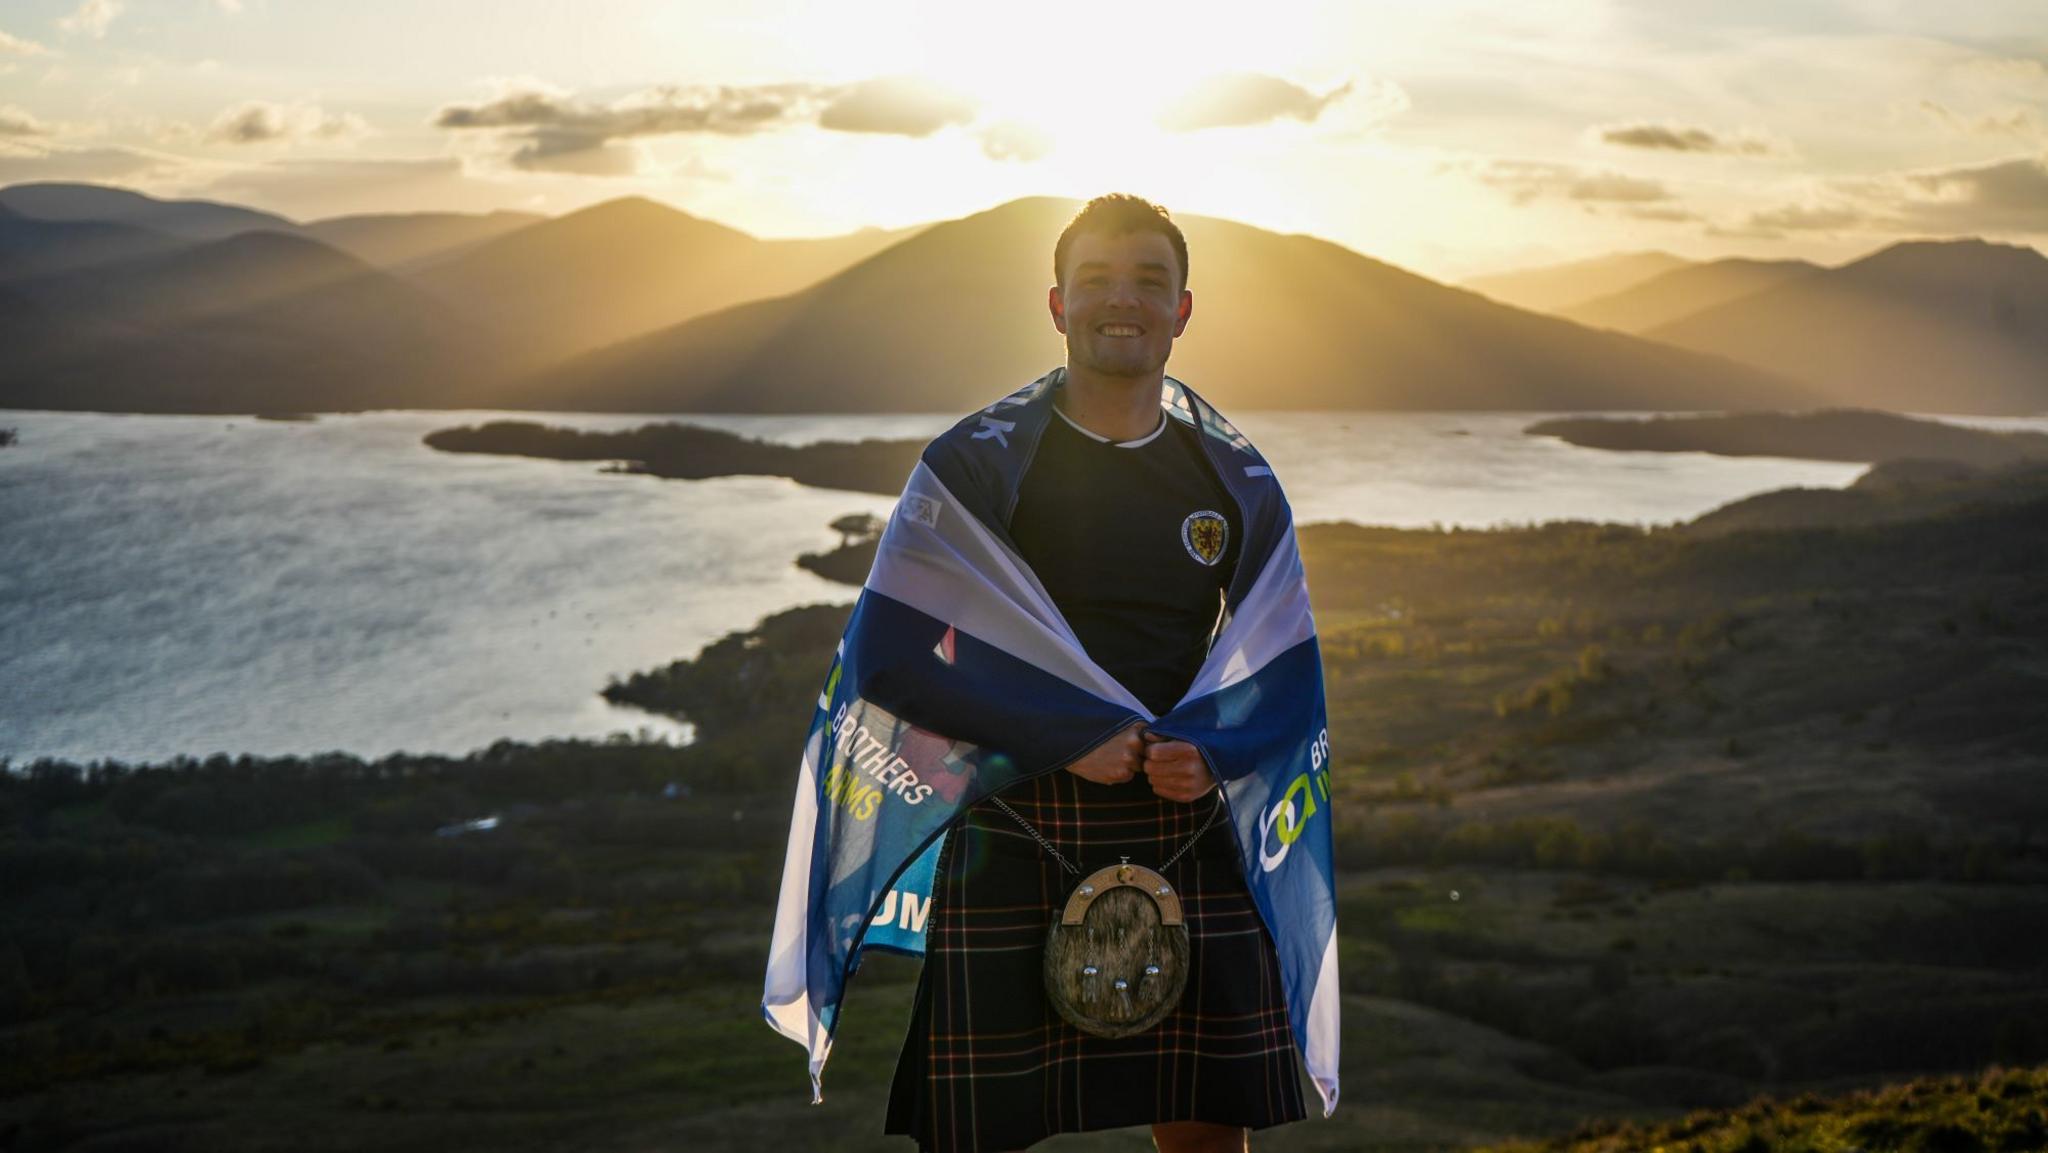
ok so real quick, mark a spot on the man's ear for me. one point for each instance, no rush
(1058, 307)
(1181, 314)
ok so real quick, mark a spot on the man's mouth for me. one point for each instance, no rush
(1119, 330)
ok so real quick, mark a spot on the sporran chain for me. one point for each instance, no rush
(1069, 865)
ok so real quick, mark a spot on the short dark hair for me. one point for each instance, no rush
(1116, 213)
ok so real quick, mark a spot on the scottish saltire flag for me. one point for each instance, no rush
(958, 677)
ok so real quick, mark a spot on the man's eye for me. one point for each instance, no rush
(1153, 283)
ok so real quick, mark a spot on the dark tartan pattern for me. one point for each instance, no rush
(988, 1064)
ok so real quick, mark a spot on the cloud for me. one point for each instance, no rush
(2009, 195)
(550, 150)
(1684, 138)
(89, 164)
(2016, 121)
(558, 133)
(1242, 99)
(1616, 188)
(16, 122)
(897, 106)
(17, 46)
(2019, 70)
(2002, 197)
(1009, 140)
(1741, 232)
(1528, 180)
(1809, 218)
(230, 7)
(91, 18)
(1663, 215)
(258, 122)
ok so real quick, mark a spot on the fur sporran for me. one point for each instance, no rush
(1116, 961)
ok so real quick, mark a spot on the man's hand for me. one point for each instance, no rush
(1115, 760)
(1176, 770)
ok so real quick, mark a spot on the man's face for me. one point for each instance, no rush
(1122, 303)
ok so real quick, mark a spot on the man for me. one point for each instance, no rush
(1135, 539)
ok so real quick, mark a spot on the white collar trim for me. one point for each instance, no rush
(1101, 439)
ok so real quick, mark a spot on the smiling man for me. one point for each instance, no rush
(1125, 523)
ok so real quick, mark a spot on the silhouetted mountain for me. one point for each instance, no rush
(259, 321)
(1556, 287)
(1923, 326)
(396, 241)
(191, 219)
(1684, 291)
(31, 247)
(622, 268)
(956, 315)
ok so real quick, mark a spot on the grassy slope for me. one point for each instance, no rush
(1721, 816)
(1999, 1109)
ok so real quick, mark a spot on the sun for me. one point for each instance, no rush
(1087, 81)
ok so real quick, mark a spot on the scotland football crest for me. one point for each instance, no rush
(1204, 534)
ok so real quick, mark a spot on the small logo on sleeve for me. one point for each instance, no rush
(921, 509)
(1205, 534)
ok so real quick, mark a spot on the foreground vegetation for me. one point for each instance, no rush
(1634, 824)
(1998, 1110)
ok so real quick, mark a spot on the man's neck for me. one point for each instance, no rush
(1117, 407)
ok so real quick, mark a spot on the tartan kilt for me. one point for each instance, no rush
(989, 1064)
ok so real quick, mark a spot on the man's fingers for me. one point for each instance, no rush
(1177, 792)
(1176, 771)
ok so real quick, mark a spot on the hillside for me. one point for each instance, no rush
(1554, 288)
(621, 268)
(396, 241)
(1893, 491)
(1924, 326)
(31, 248)
(1630, 825)
(1998, 1109)
(258, 321)
(956, 315)
(1681, 292)
(189, 219)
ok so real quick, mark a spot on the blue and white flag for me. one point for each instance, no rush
(957, 677)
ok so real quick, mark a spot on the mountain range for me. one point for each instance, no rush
(400, 242)
(117, 301)
(1950, 326)
(956, 316)
(1958, 326)
(622, 268)
(252, 322)
(1556, 287)
(1683, 291)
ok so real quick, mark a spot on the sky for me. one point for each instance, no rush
(1452, 138)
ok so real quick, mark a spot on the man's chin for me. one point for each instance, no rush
(1134, 367)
